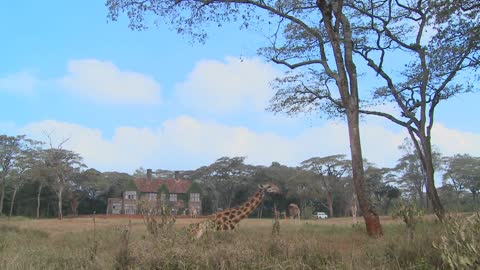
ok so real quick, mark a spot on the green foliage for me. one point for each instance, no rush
(195, 188)
(410, 214)
(459, 243)
(163, 188)
(183, 197)
(462, 172)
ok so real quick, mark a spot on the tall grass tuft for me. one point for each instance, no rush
(459, 243)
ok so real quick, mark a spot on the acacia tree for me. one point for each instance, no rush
(23, 170)
(87, 184)
(11, 148)
(64, 164)
(463, 172)
(41, 174)
(328, 171)
(305, 35)
(412, 176)
(224, 177)
(440, 40)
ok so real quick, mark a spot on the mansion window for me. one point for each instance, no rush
(130, 195)
(130, 209)
(194, 197)
(173, 197)
(152, 196)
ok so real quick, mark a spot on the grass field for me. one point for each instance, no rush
(114, 244)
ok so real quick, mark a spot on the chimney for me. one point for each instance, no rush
(176, 175)
(149, 174)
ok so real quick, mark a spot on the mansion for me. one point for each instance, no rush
(179, 195)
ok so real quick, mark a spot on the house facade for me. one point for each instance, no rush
(179, 195)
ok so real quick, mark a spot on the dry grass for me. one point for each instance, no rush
(309, 244)
(56, 227)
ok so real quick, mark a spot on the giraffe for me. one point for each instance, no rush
(193, 212)
(228, 219)
(294, 211)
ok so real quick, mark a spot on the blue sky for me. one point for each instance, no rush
(154, 99)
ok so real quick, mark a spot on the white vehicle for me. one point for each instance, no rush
(320, 215)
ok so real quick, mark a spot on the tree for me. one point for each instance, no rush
(378, 183)
(328, 171)
(25, 163)
(41, 175)
(63, 165)
(442, 64)
(463, 172)
(10, 149)
(303, 189)
(118, 183)
(140, 172)
(412, 176)
(282, 176)
(88, 184)
(304, 36)
(224, 178)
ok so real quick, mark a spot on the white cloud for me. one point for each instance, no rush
(226, 86)
(188, 143)
(104, 82)
(129, 148)
(21, 82)
(450, 141)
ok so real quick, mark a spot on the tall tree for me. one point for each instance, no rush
(88, 184)
(305, 35)
(328, 171)
(25, 163)
(63, 165)
(303, 188)
(140, 172)
(412, 176)
(41, 175)
(281, 176)
(224, 178)
(377, 180)
(10, 149)
(440, 41)
(463, 172)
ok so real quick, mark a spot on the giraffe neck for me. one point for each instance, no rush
(253, 202)
(227, 219)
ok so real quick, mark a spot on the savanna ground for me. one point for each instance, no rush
(123, 243)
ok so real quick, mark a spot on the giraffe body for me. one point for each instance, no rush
(228, 219)
(294, 211)
(193, 212)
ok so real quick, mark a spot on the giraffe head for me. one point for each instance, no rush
(270, 188)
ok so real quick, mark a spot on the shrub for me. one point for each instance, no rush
(460, 242)
(410, 214)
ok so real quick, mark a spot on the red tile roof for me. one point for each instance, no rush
(152, 185)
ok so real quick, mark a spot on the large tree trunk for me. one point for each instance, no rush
(59, 195)
(123, 203)
(74, 206)
(340, 34)
(39, 192)
(12, 201)
(372, 220)
(424, 149)
(421, 199)
(330, 203)
(2, 194)
(475, 199)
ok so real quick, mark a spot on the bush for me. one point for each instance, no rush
(410, 214)
(460, 242)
